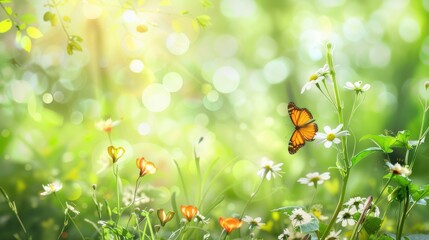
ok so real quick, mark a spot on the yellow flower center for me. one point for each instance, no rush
(313, 77)
(330, 137)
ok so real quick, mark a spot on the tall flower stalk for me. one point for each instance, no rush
(345, 173)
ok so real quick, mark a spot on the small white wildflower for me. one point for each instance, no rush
(299, 217)
(315, 78)
(356, 202)
(199, 218)
(51, 188)
(253, 222)
(107, 125)
(398, 169)
(70, 208)
(346, 217)
(269, 169)
(375, 211)
(333, 235)
(331, 135)
(284, 235)
(314, 178)
(128, 196)
(357, 87)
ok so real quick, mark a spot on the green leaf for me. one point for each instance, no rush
(28, 18)
(401, 180)
(364, 153)
(420, 193)
(385, 237)
(206, 3)
(5, 25)
(8, 10)
(418, 236)
(372, 225)
(47, 16)
(203, 20)
(384, 142)
(287, 210)
(34, 32)
(402, 140)
(26, 43)
(310, 227)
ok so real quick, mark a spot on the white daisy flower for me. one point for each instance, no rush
(51, 188)
(346, 217)
(314, 179)
(356, 202)
(398, 169)
(333, 235)
(284, 235)
(357, 87)
(299, 217)
(269, 169)
(253, 222)
(315, 78)
(107, 125)
(331, 135)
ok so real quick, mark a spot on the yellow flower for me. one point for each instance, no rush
(188, 211)
(145, 166)
(115, 152)
(230, 224)
(164, 218)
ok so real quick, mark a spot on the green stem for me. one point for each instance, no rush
(384, 188)
(346, 174)
(61, 19)
(12, 206)
(116, 173)
(403, 215)
(253, 195)
(421, 134)
(68, 215)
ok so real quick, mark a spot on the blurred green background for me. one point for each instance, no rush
(174, 83)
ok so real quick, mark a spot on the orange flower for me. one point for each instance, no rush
(145, 166)
(189, 211)
(115, 152)
(230, 224)
(164, 218)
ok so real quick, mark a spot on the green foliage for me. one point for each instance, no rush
(372, 225)
(364, 153)
(5, 25)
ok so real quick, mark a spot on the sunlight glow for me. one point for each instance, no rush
(276, 70)
(177, 43)
(172, 81)
(91, 11)
(136, 66)
(226, 79)
(144, 129)
(155, 98)
(409, 29)
(129, 16)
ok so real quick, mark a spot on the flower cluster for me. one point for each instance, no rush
(355, 205)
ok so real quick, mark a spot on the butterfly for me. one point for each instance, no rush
(305, 127)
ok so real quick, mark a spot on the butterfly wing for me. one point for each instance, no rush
(305, 127)
(296, 142)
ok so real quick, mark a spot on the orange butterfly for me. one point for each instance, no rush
(305, 127)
